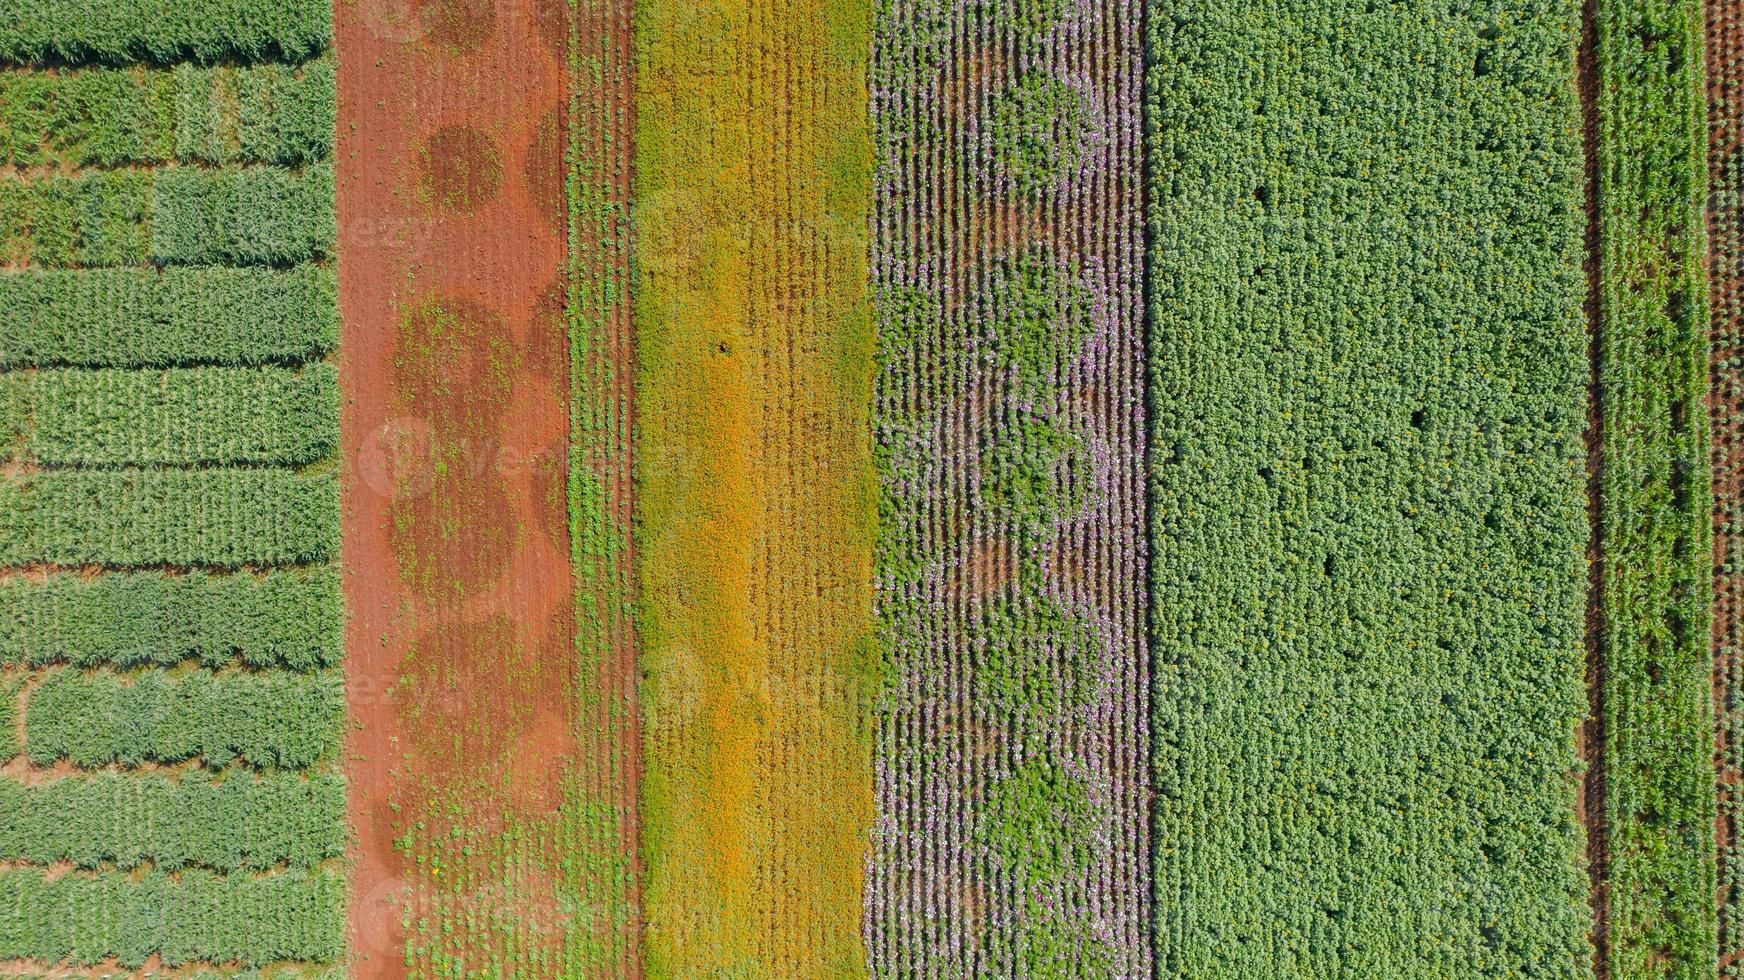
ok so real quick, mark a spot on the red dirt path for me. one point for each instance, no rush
(459, 650)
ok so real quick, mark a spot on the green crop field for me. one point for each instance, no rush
(1368, 480)
(906, 489)
(169, 512)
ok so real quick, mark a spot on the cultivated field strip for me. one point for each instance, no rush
(601, 130)
(1725, 90)
(169, 511)
(172, 215)
(754, 485)
(1013, 754)
(112, 117)
(283, 819)
(1651, 337)
(1368, 366)
(177, 316)
(288, 618)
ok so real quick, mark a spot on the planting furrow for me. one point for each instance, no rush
(600, 126)
(1012, 752)
(121, 31)
(1367, 489)
(179, 417)
(134, 518)
(265, 720)
(473, 755)
(174, 215)
(1725, 215)
(107, 117)
(193, 917)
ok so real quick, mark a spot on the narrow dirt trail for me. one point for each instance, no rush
(469, 787)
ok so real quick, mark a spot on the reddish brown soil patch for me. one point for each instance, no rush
(454, 540)
(461, 677)
(461, 26)
(460, 168)
(547, 344)
(454, 367)
(544, 171)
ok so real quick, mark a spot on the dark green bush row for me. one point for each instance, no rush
(288, 618)
(283, 720)
(181, 416)
(133, 518)
(173, 215)
(1654, 493)
(156, 31)
(240, 822)
(193, 917)
(162, 318)
(114, 116)
(1368, 476)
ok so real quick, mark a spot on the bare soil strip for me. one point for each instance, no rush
(472, 790)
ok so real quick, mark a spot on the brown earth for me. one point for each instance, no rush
(459, 653)
(1725, 66)
(1591, 801)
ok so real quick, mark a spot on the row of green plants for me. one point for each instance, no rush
(125, 31)
(177, 417)
(1369, 362)
(177, 316)
(108, 117)
(281, 618)
(265, 720)
(127, 820)
(1657, 826)
(132, 518)
(256, 215)
(190, 917)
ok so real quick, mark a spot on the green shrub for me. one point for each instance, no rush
(195, 916)
(237, 823)
(267, 719)
(133, 518)
(286, 618)
(181, 416)
(155, 31)
(176, 316)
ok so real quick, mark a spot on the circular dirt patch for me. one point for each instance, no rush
(459, 168)
(455, 368)
(461, 26)
(455, 541)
